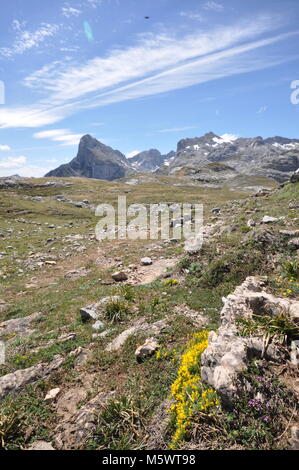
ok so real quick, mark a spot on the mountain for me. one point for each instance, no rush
(150, 160)
(95, 160)
(211, 157)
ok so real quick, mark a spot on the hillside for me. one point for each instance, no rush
(95, 363)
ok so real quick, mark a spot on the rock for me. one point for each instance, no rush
(146, 261)
(294, 243)
(295, 177)
(289, 233)
(228, 353)
(19, 327)
(98, 325)
(16, 381)
(3, 306)
(119, 276)
(216, 210)
(76, 274)
(72, 433)
(41, 445)
(295, 352)
(93, 311)
(146, 349)
(269, 220)
(52, 395)
(139, 325)
(251, 223)
(81, 354)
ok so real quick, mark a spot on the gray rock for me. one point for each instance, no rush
(98, 325)
(94, 311)
(19, 327)
(146, 261)
(294, 243)
(269, 220)
(41, 445)
(16, 381)
(146, 349)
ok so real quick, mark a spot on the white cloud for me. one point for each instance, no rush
(192, 15)
(133, 153)
(13, 162)
(214, 6)
(262, 109)
(4, 148)
(177, 129)
(154, 65)
(70, 11)
(28, 39)
(59, 135)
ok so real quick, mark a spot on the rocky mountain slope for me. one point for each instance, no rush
(208, 159)
(95, 160)
(150, 160)
(212, 158)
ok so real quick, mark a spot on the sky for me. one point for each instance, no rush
(140, 74)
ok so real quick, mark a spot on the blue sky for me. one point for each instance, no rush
(100, 67)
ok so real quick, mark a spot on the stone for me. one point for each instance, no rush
(295, 177)
(251, 223)
(52, 395)
(146, 349)
(19, 327)
(228, 353)
(294, 243)
(16, 381)
(41, 445)
(269, 220)
(146, 261)
(119, 276)
(215, 210)
(72, 432)
(94, 311)
(294, 356)
(98, 325)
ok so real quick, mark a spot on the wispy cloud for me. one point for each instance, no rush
(68, 11)
(177, 129)
(156, 64)
(213, 6)
(64, 136)
(262, 109)
(4, 148)
(192, 15)
(28, 39)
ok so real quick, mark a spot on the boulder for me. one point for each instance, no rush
(94, 311)
(52, 395)
(146, 349)
(119, 276)
(146, 261)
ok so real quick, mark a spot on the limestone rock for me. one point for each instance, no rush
(41, 445)
(52, 395)
(146, 349)
(94, 311)
(146, 261)
(16, 381)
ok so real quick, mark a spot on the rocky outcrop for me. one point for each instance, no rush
(95, 160)
(16, 381)
(228, 353)
(211, 157)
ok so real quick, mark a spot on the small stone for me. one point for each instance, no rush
(294, 243)
(251, 223)
(98, 325)
(52, 395)
(146, 261)
(41, 445)
(269, 220)
(215, 210)
(147, 349)
(119, 276)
